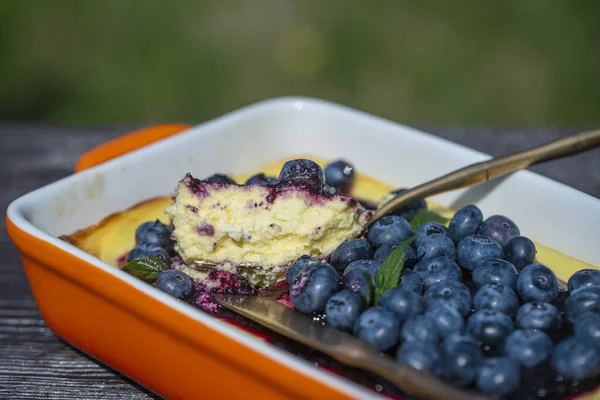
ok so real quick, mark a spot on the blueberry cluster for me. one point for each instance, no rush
(472, 306)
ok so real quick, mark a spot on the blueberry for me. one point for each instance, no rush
(436, 245)
(529, 347)
(303, 173)
(458, 338)
(587, 326)
(340, 175)
(450, 293)
(520, 251)
(313, 286)
(391, 229)
(421, 329)
(582, 301)
(496, 270)
(465, 222)
(499, 228)
(176, 283)
(498, 376)
(148, 250)
(359, 281)
(220, 179)
(410, 280)
(384, 251)
(379, 327)
(537, 282)
(155, 233)
(428, 229)
(369, 266)
(576, 358)
(343, 308)
(349, 251)
(422, 356)
(404, 303)
(584, 278)
(497, 297)
(538, 315)
(491, 327)
(409, 210)
(472, 249)
(446, 318)
(298, 265)
(462, 362)
(262, 180)
(433, 270)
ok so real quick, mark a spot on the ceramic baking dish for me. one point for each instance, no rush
(178, 351)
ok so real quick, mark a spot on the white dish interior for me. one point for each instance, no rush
(549, 212)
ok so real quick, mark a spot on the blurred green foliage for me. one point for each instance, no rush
(447, 62)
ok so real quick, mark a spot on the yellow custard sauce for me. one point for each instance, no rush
(112, 238)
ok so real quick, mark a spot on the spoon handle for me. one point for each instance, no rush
(496, 167)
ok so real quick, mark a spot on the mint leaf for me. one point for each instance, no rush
(147, 268)
(388, 276)
(424, 216)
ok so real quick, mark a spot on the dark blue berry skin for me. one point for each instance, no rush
(422, 356)
(459, 338)
(465, 222)
(410, 280)
(496, 297)
(148, 250)
(538, 315)
(343, 309)
(404, 303)
(446, 318)
(450, 293)
(499, 376)
(262, 180)
(391, 229)
(421, 329)
(349, 251)
(576, 358)
(528, 347)
(433, 270)
(436, 245)
(584, 278)
(587, 326)
(220, 179)
(411, 209)
(340, 175)
(462, 363)
(379, 327)
(359, 281)
(369, 266)
(491, 327)
(155, 233)
(298, 265)
(472, 249)
(384, 251)
(520, 251)
(428, 229)
(303, 173)
(537, 282)
(176, 283)
(581, 301)
(499, 228)
(496, 270)
(313, 286)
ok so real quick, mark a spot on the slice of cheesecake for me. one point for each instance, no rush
(256, 225)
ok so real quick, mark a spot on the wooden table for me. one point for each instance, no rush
(34, 363)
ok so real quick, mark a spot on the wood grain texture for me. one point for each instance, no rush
(34, 363)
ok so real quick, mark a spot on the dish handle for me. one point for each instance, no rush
(126, 143)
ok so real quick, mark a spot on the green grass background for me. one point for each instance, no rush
(527, 62)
